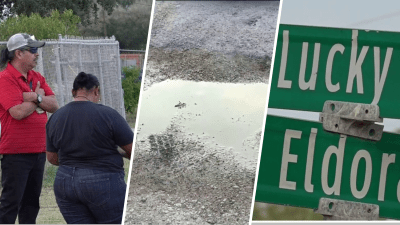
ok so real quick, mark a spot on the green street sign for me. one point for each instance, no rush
(301, 163)
(315, 64)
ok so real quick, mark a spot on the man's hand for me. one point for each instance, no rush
(32, 96)
(38, 90)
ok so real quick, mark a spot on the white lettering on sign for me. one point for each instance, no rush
(286, 158)
(380, 78)
(354, 73)
(361, 154)
(398, 191)
(310, 159)
(355, 65)
(282, 83)
(313, 78)
(329, 63)
(386, 160)
(339, 152)
(368, 173)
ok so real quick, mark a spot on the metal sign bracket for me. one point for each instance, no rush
(334, 209)
(352, 119)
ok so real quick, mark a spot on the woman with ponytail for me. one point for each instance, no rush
(82, 138)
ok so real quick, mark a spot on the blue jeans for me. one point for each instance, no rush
(87, 196)
(22, 176)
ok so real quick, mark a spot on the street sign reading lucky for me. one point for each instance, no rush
(315, 64)
(301, 163)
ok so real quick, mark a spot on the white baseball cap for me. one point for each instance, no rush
(21, 40)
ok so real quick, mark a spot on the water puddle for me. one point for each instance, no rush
(222, 114)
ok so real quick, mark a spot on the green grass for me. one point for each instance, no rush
(131, 118)
(49, 176)
(49, 212)
(126, 168)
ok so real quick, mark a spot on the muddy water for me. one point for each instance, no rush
(219, 114)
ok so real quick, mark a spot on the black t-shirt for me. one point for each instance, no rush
(86, 135)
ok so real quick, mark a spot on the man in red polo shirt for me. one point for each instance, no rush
(24, 98)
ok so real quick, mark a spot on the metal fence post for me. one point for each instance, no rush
(122, 105)
(39, 65)
(101, 77)
(58, 74)
(64, 69)
(80, 57)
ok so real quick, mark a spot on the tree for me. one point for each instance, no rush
(86, 9)
(42, 27)
(129, 33)
(129, 25)
(131, 86)
(127, 20)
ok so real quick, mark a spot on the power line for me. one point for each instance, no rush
(367, 21)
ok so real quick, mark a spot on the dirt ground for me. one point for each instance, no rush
(202, 65)
(177, 178)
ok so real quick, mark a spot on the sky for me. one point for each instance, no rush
(359, 14)
(383, 15)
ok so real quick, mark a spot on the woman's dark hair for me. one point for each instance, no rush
(85, 80)
(5, 57)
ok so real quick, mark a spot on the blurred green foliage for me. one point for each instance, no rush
(131, 86)
(130, 32)
(42, 27)
(87, 10)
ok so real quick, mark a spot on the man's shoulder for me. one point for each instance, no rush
(5, 72)
(5, 75)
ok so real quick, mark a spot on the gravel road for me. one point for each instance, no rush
(212, 41)
(178, 178)
(244, 28)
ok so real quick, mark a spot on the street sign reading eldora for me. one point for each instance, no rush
(301, 163)
(315, 64)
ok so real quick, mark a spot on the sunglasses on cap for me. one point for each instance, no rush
(32, 50)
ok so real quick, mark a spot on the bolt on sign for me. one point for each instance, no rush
(301, 163)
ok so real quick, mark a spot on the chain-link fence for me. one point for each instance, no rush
(59, 62)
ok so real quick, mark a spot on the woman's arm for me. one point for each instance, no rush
(52, 157)
(127, 151)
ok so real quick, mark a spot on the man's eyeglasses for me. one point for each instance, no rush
(32, 50)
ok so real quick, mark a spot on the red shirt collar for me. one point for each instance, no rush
(16, 73)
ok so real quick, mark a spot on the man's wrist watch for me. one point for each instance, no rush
(39, 99)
